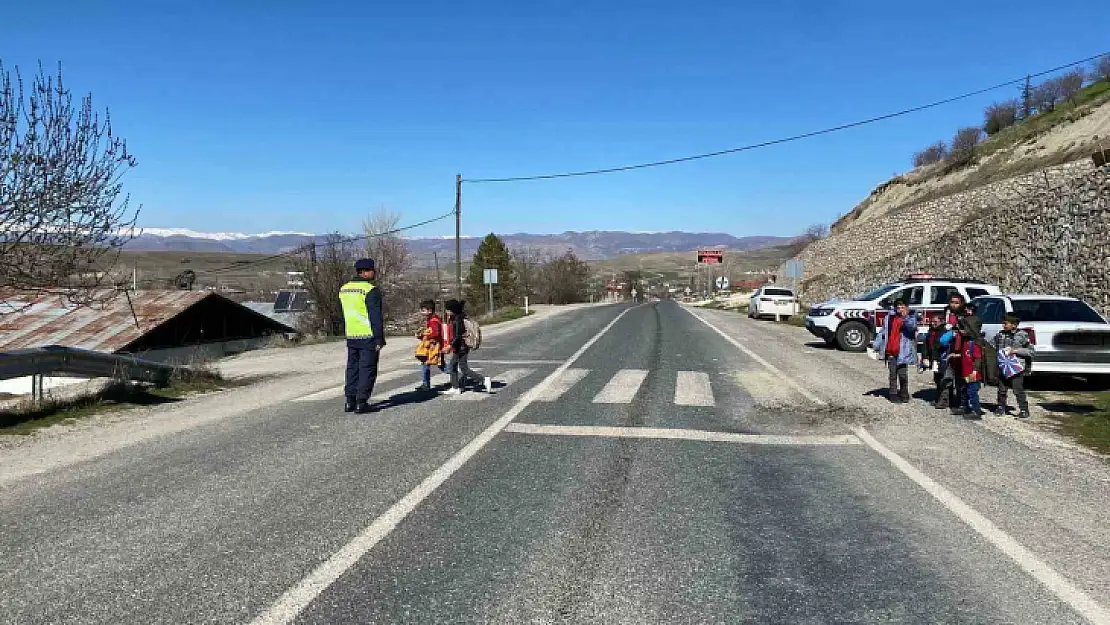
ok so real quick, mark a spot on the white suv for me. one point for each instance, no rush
(772, 301)
(850, 324)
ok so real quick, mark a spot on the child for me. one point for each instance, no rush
(971, 363)
(1013, 342)
(897, 342)
(456, 344)
(932, 357)
(429, 351)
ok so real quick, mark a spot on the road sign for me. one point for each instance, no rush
(722, 283)
(634, 292)
(710, 257)
(795, 269)
(688, 291)
(489, 276)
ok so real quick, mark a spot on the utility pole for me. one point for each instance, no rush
(439, 283)
(458, 235)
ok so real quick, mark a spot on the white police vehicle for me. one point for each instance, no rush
(850, 324)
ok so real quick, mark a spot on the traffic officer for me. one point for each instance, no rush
(362, 319)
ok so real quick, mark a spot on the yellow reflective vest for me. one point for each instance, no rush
(356, 319)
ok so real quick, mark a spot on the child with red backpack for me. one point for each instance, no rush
(971, 365)
(457, 346)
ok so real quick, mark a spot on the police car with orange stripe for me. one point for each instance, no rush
(850, 324)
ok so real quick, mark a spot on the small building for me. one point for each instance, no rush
(164, 326)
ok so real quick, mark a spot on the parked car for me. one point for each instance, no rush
(1071, 337)
(772, 301)
(850, 324)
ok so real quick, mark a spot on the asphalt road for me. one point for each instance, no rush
(632, 466)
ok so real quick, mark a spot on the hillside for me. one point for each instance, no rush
(1070, 132)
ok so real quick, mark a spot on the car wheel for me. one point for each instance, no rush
(853, 336)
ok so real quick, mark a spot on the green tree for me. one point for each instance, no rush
(492, 254)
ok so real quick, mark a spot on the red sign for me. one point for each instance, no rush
(710, 257)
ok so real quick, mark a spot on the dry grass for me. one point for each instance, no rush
(27, 416)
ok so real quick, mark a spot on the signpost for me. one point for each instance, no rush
(722, 283)
(794, 270)
(489, 276)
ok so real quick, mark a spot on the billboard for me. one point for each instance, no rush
(710, 257)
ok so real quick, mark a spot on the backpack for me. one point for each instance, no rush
(989, 369)
(473, 334)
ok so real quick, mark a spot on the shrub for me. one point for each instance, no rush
(933, 154)
(1000, 115)
(962, 150)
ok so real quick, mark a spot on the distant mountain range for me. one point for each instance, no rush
(589, 245)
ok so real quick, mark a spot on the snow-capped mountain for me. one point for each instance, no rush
(589, 245)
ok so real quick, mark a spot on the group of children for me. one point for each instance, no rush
(957, 354)
(444, 345)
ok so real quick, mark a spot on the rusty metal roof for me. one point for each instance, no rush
(105, 327)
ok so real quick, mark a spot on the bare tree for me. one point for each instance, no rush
(933, 154)
(62, 222)
(528, 262)
(1000, 115)
(1100, 69)
(1047, 95)
(564, 280)
(327, 266)
(389, 251)
(962, 150)
(815, 232)
(1070, 84)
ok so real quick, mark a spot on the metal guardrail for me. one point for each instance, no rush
(56, 359)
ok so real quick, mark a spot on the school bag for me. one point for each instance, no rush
(989, 370)
(473, 334)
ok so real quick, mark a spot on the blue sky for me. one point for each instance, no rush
(253, 115)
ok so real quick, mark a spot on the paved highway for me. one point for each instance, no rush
(634, 465)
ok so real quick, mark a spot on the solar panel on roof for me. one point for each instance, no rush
(291, 301)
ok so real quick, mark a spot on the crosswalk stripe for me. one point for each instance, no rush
(764, 387)
(562, 384)
(337, 391)
(622, 387)
(505, 379)
(692, 388)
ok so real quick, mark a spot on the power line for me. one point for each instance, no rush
(302, 248)
(806, 135)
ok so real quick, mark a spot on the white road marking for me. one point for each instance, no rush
(622, 387)
(679, 434)
(337, 391)
(1060, 586)
(765, 388)
(562, 384)
(505, 379)
(756, 357)
(517, 362)
(692, 388)
(286, 608)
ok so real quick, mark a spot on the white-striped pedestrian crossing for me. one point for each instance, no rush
(692, 388)
(503, 379)
(622, 387)
(337, 391)
(562, 384)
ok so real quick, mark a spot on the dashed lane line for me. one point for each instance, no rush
(622, 387)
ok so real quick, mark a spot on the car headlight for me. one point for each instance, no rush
(820, 312)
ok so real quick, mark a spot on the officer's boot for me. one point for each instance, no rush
(349, 405)
(363, 408)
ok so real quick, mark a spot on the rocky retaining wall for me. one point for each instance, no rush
(1047, 232)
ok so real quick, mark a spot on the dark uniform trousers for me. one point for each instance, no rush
(362, 369)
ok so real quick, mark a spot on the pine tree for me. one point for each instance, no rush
(492, 254)
(1026, 99)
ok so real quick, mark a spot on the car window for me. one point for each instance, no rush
(786, 292)
(913, 295)
(876, 293)
(1055, 310)
(941, 294)
(990, 309)
(973, 292)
